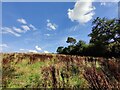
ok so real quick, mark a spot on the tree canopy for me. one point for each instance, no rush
(71, 40)
(105, 40)
(105, 31)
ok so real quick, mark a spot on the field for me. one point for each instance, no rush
(28, 70)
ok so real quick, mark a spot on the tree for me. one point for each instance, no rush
(80, 43)
(79, 47)
(104, 31)
(71, 40)
(66, 51)
(105, 40)
(71, 49)
(60, 50)
(113, 49)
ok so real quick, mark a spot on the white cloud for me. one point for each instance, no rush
(82, 11)
(106, 0)
(3, 46)
(9, 30)
(108, 3)
(38, 48)
(21, 20)
(33, 27)
(25, 27)
(103, 3)
(17, 30)
(46, 51)
(22, 49)
(48, 20)
(47, 34)
(34, 51)
(51, 26)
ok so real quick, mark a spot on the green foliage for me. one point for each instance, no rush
(60, 49)
(105, 40)
(80, 47)
(71, 40)
(106, 36)
(114, 49)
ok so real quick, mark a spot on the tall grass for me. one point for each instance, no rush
(22, 70)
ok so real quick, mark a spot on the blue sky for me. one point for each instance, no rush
(42, 27)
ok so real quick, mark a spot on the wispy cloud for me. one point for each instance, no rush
(47, 34)
(21, 49)
(21, 20)
(18, 30)
(38, 48)
(74, 28)
(25, 27)
(82, 11)
(51, 26)
(10, 30)
(34, 51)
(46, 51)
(32, 27)
(3, 46)
(108, 3)
(103, 3)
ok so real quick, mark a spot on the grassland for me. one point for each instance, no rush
(28, 70)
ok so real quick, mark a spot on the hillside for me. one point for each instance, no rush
(29, 70)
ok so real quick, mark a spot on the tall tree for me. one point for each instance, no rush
(60, 49)
(104, 31)
(105, 40)
(80, 46)
(71, 40)
(106, 36)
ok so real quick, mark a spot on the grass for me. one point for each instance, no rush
(55, 72)
(26, 74)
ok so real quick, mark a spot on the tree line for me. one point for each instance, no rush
(104, 40)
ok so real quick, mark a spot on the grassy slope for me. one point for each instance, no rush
(22, 70)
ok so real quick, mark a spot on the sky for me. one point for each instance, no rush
(44, 26)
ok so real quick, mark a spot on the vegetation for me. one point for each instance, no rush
(77, 70)
(23, 70)
(105, 40)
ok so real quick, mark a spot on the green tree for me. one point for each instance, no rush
(80, 47)
(66, 51)
(104, 31)
(113, 49)
(71, 40)
(105, 40)
(60, 49)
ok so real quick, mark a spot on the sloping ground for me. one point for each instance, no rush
(30, 70)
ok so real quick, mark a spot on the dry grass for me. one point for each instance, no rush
(28, 70)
